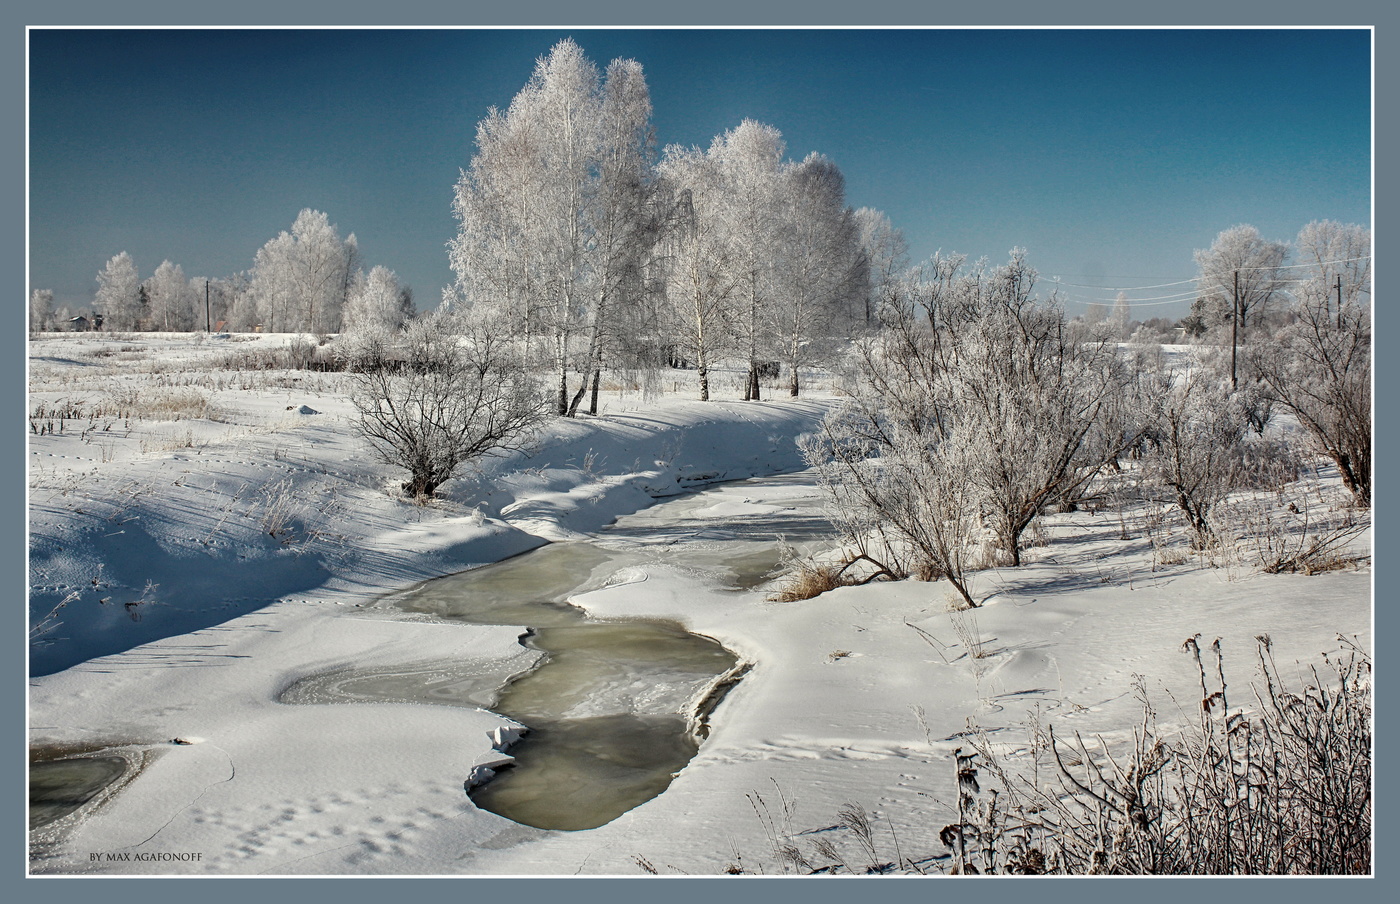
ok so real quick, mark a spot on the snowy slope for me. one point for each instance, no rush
(266, 541)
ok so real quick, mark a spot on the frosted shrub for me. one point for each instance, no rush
(457, 398)
(1200, 450)
(973, 410)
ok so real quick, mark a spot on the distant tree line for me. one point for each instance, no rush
(305, 280)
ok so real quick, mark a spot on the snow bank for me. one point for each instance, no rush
(135, 536)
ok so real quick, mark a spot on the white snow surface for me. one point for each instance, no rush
(211, 561)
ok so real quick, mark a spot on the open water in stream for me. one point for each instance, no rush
(614, 709)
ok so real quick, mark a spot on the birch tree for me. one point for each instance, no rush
(623, 218)
(751, 173)
(301, 278)
(493, 202)
(884, 256)
(376, 304)
(1121, 317)
(1319, 366)
(1240, 264)
(119, 294)
(818, 265)
(554, 209)
(40, 310)
(170, 299)
(701, 279)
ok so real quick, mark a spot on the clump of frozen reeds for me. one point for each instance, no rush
(808, 579)
(1281, 788)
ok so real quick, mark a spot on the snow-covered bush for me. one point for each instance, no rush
(972, 411)
(1319, 369)
(1200, 448)
(457, 398)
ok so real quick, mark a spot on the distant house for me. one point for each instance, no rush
(81, 324)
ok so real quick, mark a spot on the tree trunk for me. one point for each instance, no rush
(595, 359)
(961, 588)
(578, 396)
(1358, 484)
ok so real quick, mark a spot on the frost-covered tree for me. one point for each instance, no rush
(1334, 262)
(764, 256)
(216, 300)
(818, 263)
(554, 212)
(377, 303)
(461, 395)
(623, 218)
(893, 460)
(492, 253)
(1199, 446)
(119, 294)
(169, 299)
(301, 278)
(240, 306)
(1122, 316)
(750, 173)
(40, 310)
(1095, 312)
(1242, 266)
(701, 278)
(1319, 366)
(885, 258)
(1036, 392)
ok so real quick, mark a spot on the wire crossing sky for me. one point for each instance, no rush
(1110, 155)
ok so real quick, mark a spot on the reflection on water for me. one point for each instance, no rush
(582, 773)
(58, 787)
(608, 719)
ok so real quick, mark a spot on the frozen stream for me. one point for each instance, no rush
(614, 709)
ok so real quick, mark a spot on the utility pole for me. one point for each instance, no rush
(1339, 301)
(206, 307)
(1235, 333)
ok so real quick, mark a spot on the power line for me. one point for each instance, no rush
(1346, 260)
(1180, 282)
(1174, 296)
(1140, 304)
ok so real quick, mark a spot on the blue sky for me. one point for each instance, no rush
(1108, 154)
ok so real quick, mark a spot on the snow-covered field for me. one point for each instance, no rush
(202, 537)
